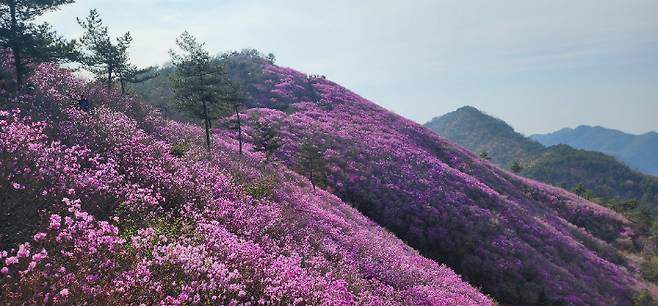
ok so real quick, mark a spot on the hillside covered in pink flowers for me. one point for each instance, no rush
(521, 241)
(119, 206)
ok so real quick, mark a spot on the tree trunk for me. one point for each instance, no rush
(311, 178)
(123, 87)
(109, 78)
(207, 124)
(15, 45)
(237, 114)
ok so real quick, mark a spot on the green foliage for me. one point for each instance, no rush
(649, 268)
(516, 167)
(247, 55)
(30, 42)
(198, 78)
(130, 222)
(168, 227)
(243, 67)
(103, 57)
(603, 176)
(653, 230)
(625, 207)
(485, 155)
(201, 84)
(637, 151)
(179, 149)
(480, 132)
(158, 91)
(643, 298)
(7, 85)
(311, 161)
(260, 189)
(582, 191)
(108, 60)
(646, 227)
(642, 216)
(266, 138)
(133, 74)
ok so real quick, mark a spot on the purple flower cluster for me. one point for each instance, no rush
(98, 210)
(523, 242)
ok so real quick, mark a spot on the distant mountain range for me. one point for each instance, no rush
(638, 151)
(604, 176)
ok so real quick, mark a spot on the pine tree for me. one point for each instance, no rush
(133, 75)
(643, 298)
(580, 190)
(30, 42)
(311, 161)
(266, 139)
(202, 86)
(106, 59)
(516, 167)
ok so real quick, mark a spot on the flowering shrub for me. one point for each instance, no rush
(521, 241)
(102, 208)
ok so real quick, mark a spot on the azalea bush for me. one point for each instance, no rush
(521, 241)
(120, 206)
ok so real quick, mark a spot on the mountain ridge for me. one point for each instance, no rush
(521, 241)
(436, 196)
(560, 165)
(514, 147)
(639, 151)
(116, 204)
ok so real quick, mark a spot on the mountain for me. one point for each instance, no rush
(638, 151)
(479, 132)
(119, 206)
(521, 241)
(560, 165)
(127, 192)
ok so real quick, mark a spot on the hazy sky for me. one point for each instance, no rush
(539, 65)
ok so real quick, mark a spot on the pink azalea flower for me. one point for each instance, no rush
(39, 236)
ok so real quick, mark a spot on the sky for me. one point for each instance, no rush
(539, 65)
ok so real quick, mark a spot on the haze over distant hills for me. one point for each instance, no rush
(638, 151)
(561, 165)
